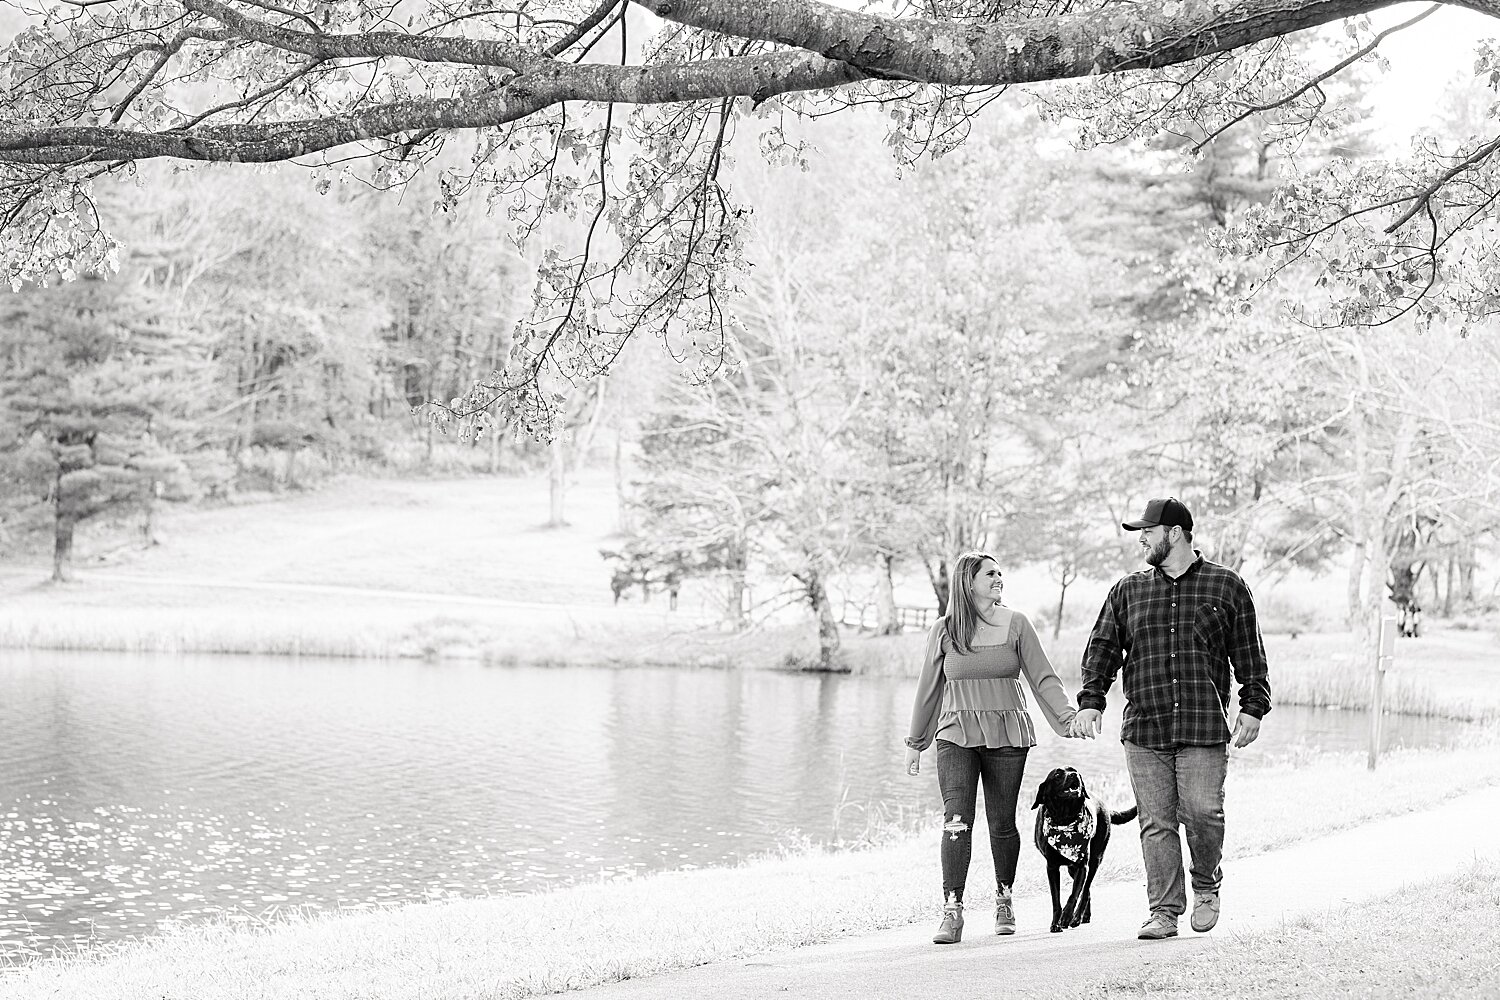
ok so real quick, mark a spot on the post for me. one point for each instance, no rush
(1385, 652)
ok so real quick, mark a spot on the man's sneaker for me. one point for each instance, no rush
(1159, 926)
(1205, 911)
(951, 930)
(1005, 915)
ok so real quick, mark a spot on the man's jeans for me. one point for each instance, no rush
(1183, 786)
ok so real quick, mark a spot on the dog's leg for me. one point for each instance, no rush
(1054, 883)
(1075, 898)
(1086, 909)
(1086, 906)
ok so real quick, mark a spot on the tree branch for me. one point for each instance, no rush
(1340, 67)
(1425, 195)
(833, 47)
(252, 98)
(372, 44)
(170, 50)
(1015, 49)
(583, 27)
(520, 97)
(275, 8)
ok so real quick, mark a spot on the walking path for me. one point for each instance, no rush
(1260, 893)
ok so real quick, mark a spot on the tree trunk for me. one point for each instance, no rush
(148, 510)
(944, 587)
(1353, 585)
(885, 596)
(1448, 597)
(1064, 581)
(1375, 594)
(1467, 563)
(937, 575)
(828, 626)
(1439, 601)
(622, 499)
(1361, 557)
(734, 604)
(557, 480)
(62, 549)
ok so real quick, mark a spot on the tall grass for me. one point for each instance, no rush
(347, 629)
(198, 631)
(1340, 685)
(1319, 671)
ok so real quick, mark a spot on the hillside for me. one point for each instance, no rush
(363, 567)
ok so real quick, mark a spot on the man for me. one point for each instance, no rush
(1178, 629)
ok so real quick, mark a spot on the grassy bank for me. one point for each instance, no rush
(1448, 672)
(523, 946)
(1453, 925)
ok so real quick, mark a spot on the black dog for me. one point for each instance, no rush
(1072, 831)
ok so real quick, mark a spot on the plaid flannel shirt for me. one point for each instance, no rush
(1177, 641)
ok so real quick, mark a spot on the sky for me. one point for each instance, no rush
(1423, 59)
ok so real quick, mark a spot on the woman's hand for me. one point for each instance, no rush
(913, 761)
(1087, 723)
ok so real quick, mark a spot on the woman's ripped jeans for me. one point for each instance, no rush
(960, 770)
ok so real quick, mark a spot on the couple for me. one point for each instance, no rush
(1177, 629)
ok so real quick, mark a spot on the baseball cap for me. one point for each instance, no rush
(1162, 510)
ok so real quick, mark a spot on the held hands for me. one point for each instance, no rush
(1086, 724)
(913, 761)
(1246, 729)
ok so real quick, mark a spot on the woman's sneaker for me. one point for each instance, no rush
(951, 930)
(1005, 915)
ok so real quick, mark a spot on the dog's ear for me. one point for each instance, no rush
(1044, 790)
(1083, 788)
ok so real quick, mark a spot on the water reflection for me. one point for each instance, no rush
(142, 789)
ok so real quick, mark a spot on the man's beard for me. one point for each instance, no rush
(1157, 554)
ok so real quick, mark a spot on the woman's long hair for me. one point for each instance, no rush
(963, 616)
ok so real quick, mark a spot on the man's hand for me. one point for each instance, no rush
(1246, 729)
(913, 761)
(1086, 724)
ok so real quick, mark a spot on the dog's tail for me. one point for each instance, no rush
(1123, 816)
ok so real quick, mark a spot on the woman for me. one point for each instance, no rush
(970, 699)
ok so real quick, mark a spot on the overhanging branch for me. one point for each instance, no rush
(828, 47)
(520, 97)
(1012, 50)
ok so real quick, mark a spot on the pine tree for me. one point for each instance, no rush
(87, 378)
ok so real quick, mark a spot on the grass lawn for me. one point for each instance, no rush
(457, 568)
(1437, 941)
(531, 945)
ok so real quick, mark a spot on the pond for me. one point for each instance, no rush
(141, 790)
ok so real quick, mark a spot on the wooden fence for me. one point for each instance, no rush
(864, 616)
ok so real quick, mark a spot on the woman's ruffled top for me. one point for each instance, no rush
(976, 700)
